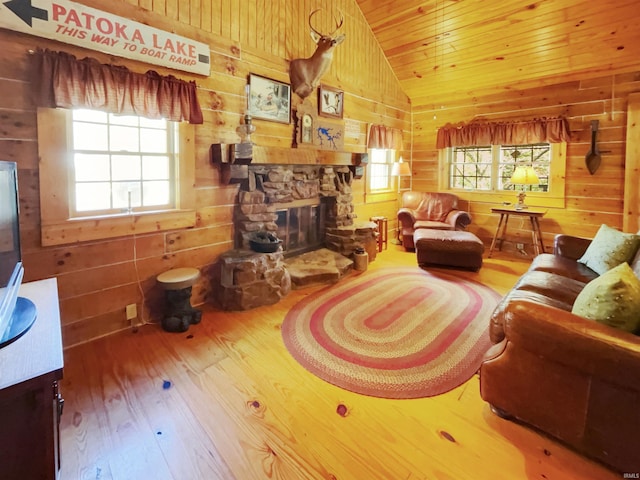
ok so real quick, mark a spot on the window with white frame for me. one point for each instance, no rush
(490, 168)
(380, 162)
(120, 164)
(483, 173)
(104, 175)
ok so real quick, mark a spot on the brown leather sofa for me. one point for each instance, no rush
(434, 210)
(572, 378)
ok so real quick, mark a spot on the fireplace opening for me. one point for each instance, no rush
(301, 226)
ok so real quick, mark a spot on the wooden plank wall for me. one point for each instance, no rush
(631, 216)
(98, 279)
(590, 199)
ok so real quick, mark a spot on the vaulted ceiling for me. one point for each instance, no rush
(443, 50)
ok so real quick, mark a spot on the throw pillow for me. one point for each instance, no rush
(609, 248)
(635, 264)
(613, 299)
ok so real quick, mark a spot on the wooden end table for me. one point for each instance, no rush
(534, 218)
(383, 232)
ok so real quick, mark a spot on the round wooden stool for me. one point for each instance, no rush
(177, 284)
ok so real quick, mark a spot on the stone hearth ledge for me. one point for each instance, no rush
(319, 266)
(249, 279)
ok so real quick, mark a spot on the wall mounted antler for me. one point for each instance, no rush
(305, 73)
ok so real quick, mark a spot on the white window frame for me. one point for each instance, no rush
(170, 152)
(375, 155)
(59, 225)
(553, 197)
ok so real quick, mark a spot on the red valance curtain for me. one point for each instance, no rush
(384, 137)
(63, 81)
(552, 130)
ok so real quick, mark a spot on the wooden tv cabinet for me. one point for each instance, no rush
(30, 403)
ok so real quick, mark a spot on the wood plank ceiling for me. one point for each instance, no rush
(446, 50)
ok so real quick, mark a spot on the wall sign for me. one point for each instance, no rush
(352, 129)
(76, 24)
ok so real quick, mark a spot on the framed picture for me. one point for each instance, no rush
(269, 99)
(330, 102)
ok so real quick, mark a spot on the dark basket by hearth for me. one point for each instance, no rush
(264, 242)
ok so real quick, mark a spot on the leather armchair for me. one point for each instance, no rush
(572, 378)
(429, 210)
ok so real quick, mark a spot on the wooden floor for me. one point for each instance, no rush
(226, 401)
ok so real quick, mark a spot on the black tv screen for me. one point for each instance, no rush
(9, 228)
(11, 270)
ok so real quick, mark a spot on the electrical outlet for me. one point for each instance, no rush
(520, 246)
(132, 311)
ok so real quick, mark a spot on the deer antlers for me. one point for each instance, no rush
(338, 23)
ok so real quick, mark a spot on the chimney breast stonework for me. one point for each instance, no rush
(273, 187)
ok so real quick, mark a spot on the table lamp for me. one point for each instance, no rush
(523, 176)
(400, 169)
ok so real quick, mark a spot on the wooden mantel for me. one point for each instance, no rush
(289, 156)
(235, 172)
(304, 156)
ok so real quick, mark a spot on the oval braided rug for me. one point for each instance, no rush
(393, 332)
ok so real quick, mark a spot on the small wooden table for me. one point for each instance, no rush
(383, 231)
(536, 233)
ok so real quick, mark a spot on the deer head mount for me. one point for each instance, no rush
(305, 73)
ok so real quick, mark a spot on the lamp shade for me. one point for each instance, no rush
(405, 170)
(400, 169)
(524, 176)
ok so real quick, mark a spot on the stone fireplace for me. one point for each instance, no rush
(309, 207)
(306, 206)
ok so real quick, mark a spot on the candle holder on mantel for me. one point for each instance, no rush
(243, 152)
(233, 159)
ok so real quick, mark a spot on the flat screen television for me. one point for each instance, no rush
(17, 314)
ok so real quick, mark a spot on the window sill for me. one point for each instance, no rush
(85, 229)
(381, 196)
(533, 199)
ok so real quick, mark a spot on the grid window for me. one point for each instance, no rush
(121, 164)
(489, 168)
(536, 155)
(380, 169)
(471, 168)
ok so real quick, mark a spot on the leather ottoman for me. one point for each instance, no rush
(453, 248)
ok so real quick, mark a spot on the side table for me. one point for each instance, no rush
(382, 226)
(534, 218)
